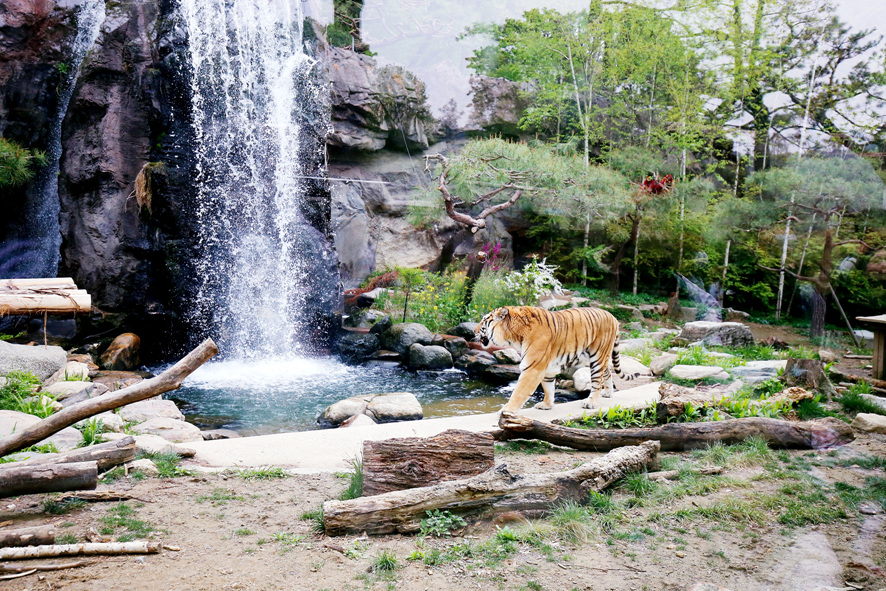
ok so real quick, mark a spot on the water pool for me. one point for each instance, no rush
(288, 394)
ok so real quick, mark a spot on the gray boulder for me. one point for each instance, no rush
(475, 361)
(357, 346)
(758, 371)
(173, 430)
(153, 444)
(497, 104)
(402, 336)
(733, 315)
(507, 356)
(151, 408)
(869, 423)
(661, 364)
(381, 408)
(635, 313)
(429, 357)
(464, 330)
(12, 421)
(456, 346)
(699, 372)
(41, 361)
(381, 325)
(629, 345)
(73, 370)
(501, 373)
(727, 334)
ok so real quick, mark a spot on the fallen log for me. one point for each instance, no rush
(841, 375)
(828, 432)
(847, 356)
(99, 496)
(45, 301)
(85, 549)
(23, 480)
(410, 462)
(27, 536)
(166, 381)
(107, 455)
(493, 491)
(31, 567)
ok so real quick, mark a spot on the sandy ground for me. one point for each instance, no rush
(225, 528)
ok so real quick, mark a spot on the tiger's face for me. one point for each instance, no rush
(487, 326)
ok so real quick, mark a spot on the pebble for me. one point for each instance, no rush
(868, 508)
(680, 554)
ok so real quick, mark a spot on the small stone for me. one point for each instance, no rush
(869, 508)
(869, 422)
(680, 554)
(145, 465)
(827, 356)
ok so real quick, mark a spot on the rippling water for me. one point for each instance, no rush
(279, 395)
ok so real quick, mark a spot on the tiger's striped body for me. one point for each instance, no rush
(552, 341)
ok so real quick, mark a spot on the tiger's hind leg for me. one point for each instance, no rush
(597, 373)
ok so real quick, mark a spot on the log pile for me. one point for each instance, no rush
(44, 296)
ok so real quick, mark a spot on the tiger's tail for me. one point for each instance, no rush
(616, 363)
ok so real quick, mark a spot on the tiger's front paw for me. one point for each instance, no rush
(588, 404)
(544, 406)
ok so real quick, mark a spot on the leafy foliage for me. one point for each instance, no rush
(17, 164)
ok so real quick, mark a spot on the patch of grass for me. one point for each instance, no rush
(753, 451)
(813, 409)
(354, 489)
(671, 378)
(122, 516)
(66, 539)
(385, 561)
(287, 540)
(114, 474)
(244, 531)
(92, 432)
(440, 523)
(801, 504)
(526, 446)
(318, 525)
(874, 490)
(852, 401)
(167, 464)
(572, 522)
(219, 496)
(43, 448)
(57, 507)
(262, 473)
(615, 417)
(864, 461)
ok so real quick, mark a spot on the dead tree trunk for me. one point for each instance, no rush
(673, 400)
(22, 480)
(494, 491)
(827, 432)
(166, 381)
(107, 455)
(27, 536)
(410, 462)
(109, 549)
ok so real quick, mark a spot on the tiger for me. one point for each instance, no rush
(552, 341)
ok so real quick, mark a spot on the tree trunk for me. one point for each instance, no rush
(411, 462)
(494, 491)
(27, 536)
(107, 455)
(110, 549)
(681, 436)
(25, 480)
(819, 308)
(619, 255)
(166, 381)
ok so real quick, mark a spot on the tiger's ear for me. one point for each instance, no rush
(500, 314)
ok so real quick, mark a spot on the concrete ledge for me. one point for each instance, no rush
(331, 450)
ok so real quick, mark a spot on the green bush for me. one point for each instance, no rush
(18, 394)
(17, 164)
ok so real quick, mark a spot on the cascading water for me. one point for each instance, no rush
(34, 250)
(247, 65)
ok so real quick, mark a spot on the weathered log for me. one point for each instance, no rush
(828, 432)
(37, 283)
(808, 373)
(166, 381)
(841, 375)
(491, 492)
(99, 496)
(31, 567)
(49, 301)
(22, 480)
(410, 462)
(107, 455)
(85, 549)
(27, 536)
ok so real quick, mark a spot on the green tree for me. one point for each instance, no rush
(17, 164)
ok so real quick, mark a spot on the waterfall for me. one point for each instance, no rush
(247, 72)
(36, 251)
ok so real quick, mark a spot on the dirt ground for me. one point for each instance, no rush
(227, 531)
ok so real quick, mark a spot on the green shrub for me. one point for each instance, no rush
(17, 163)
(440, 523)
(18, 394)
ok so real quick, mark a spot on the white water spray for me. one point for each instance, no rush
(247, 65)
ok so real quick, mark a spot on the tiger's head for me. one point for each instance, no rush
(486, 329)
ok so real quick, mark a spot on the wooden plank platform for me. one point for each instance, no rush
(877, 324)
(54, 295)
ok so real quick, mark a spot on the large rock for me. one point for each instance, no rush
(699, 372)
(475, 361)
(62, 391)
(153, 444)
(758, 371)
(41, 361)
(466, 330)
(501, 373)
(73, 370)
(122, 353)
(498, 104)
(727, 334)
(356, 346)
(508, 356)
(401, 337)
(456, 346)
(373, 107)
(869, 423)
(429, 357)
(150, 409)
(172, 430)
(12, 421)
(661, 364)
(381, 408)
